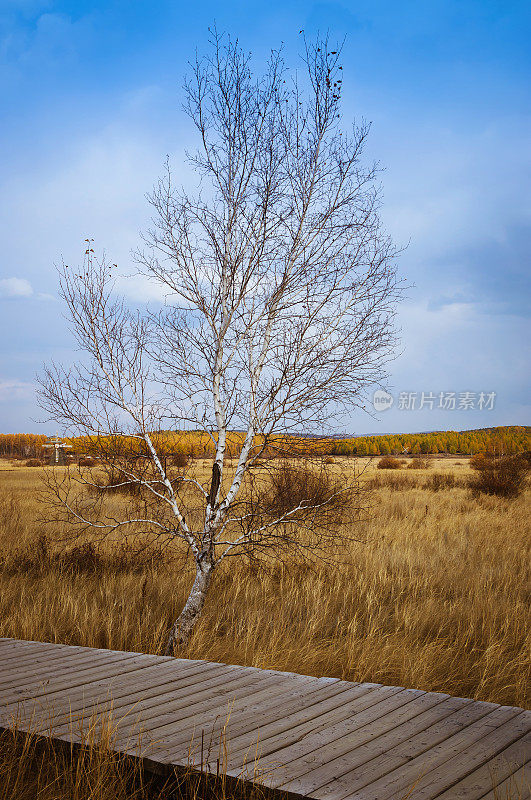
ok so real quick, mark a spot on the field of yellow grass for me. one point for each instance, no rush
(433, 596)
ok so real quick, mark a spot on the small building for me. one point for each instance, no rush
(55, 451)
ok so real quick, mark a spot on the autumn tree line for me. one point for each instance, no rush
(498, 441)
(191, 444)
(21, 445)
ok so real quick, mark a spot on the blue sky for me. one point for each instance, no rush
(90, 106)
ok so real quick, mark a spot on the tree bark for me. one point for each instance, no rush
(184, 624)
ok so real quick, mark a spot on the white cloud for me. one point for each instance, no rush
(139, 288)
(449, 189)
(15, 287)
(20, 287)
(12, 389)
(97, 190)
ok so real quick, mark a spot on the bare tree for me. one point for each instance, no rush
(281, 290)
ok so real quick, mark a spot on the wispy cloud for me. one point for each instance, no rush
(12, 389)
(94, 107)
(15, 287)
(21, 288)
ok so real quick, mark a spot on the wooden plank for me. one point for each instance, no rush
(146, 677)
(71, 672)
(404, 766)
(71, 733)
(323, 746)
(58, 655)
(188, 713)
(66, 698)
(240, 688)
(264, 703)
(41, 670)
(58, 647)
(13, 650)
(46, 650)
(278, 714)
(134, 697)
(476, 755)
(67, 680)
(515, 787)
(316, 737)
(361, 776)
(296, 727)
(496, 772)
(368, 743)
(6, 644)
(77, 682)
(25, 658)
(63, 704)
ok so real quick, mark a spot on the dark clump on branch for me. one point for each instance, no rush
(133, 477)
(113, 481)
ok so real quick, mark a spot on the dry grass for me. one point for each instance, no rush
(33, 766)
(434, 598)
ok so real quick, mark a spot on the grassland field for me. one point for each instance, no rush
(434, 595)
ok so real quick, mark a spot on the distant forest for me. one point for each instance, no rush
(507, 439)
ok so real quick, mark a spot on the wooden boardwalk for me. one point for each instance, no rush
(309, 737)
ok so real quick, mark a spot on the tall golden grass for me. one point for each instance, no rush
(435, 596)
(33, 766)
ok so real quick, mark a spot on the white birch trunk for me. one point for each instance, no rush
(184, 624)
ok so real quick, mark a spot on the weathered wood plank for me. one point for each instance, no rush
(178, 696)
(284, 714)
(120, 698)
(213, 702)
(291, 743)
(511, 762)
(473, 756)
(52, 652)
(368, 743)
(324, 747)
(12, 649)
(62, 699)
(406, 765)
(263, 704)
(81, 683)
(53, 669)
(320, 738)
(23, 660)
(49, 683)
(515, 787)
(69, 683)
(462, 713)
